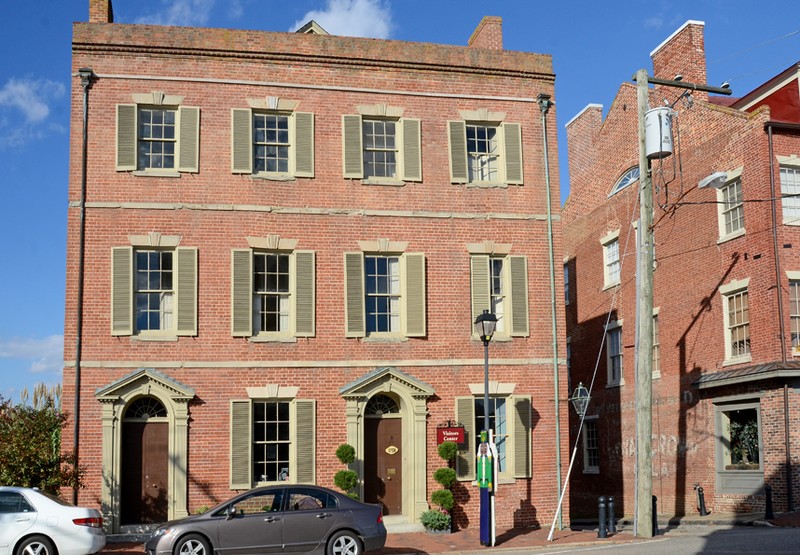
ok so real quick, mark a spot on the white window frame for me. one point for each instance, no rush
(590, 424)
(612, 265)
(395, 298)
(728, 291)
(514, 322)
(790, 186)
(730, 479)
(725, 207)
(167, 308)
(656, 344)
(628, 177)
(794, 311)
(507, 152)
(614, 330)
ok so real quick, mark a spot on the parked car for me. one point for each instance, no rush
(33, 522)
(274, 519)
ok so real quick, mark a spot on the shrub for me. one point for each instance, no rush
(346, 453)
(434, 519)
(445, 476)
(448, 450)
(443, 498)
(346, 480)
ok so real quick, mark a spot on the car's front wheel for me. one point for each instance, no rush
(344, 543)
(36, 545)
(193, 544)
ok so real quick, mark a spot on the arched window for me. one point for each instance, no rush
(631, 175)
(380, 405)
(144, 408)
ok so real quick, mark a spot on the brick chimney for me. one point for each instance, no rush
(683, 53)
(488, 33)
(100, 11)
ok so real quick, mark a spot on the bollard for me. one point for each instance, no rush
(612, 521)
(701, 501)
(655, 515)
(601, 531)
(768, 514)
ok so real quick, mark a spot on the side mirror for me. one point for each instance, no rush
(230, 512)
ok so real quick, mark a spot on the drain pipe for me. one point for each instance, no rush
(544, 104)
(87, 75)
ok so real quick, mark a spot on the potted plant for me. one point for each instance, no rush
(438, 519)
(346, 480)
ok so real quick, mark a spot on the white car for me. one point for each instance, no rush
(36, 523)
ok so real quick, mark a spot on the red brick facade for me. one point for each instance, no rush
(704, 385)
(213, 210)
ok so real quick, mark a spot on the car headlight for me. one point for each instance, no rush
(162, 532)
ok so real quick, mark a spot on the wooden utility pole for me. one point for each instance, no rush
(644, 322)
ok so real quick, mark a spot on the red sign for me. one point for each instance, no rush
(450, 433)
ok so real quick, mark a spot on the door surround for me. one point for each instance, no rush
(412, 396)
(114, 399)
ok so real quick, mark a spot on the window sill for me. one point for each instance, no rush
(153, 337)
(737, 360)
(730, 236)
(610, 286)
(793, 222)
(383, 182)
(273, 176)
(487, 185)
(591, 471)
(384, 339)
(272, 339)
(156, 173)
(615, 384)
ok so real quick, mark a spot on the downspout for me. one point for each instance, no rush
(86, 75)
(781, 324)
(544, 105)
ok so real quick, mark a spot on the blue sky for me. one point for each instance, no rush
(594, 50)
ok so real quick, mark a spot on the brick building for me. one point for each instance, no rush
(286, 238)
(726, 292)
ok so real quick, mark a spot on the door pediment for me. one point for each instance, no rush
(387, 378)
(147, 381)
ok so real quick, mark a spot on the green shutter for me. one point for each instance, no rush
(519, 295)
(241, 462)
(415, 295)
(355, 326)
(522, 436)
(479, 275)
(241, 141)
(465, 460)
(241, 293)
(186, 290)
(189, 139)
(126, 137)
(512, 136)
(412, 150)
(305, 442)
(458, 151)
(304, 298)
(304, 144)
(122, 291)
(352, 153)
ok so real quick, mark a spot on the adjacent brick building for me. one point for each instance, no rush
(287, 238)
(726, 292)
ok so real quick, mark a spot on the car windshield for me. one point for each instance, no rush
(56, 499)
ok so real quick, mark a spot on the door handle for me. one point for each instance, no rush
(324, 515)
(271, 519)
(21, 519)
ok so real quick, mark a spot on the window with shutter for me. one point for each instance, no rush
(272, 144)
(500, 284)
(485, 154)
(382, 150)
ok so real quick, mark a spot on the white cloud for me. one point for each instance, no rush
(654, 22)
(182, 13)
(352, 18)
(44, 355)
(31, 98)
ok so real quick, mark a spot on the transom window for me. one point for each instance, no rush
(382, 281)
(270, 143)
(732, 207)
(380, 150)
(738, 324)
(790, 195)
(154, 290)
(497, 422)
(271, 440)
(482, 152)
(270, 292)
(629, 177)
(381, 404)
(146, 407)
(156, 138)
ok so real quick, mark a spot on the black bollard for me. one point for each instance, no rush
(655, 515)
(768, 514)
(612, 521)
(701, 501)
(601, 531)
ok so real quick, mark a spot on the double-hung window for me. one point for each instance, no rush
(591, 446)
(611, 260)
(273, 437)
(656, 347)
(484, 150)
(790, 189)
(794, 311)
(614, 353)
(156, 135)
(271, 140)
(736, 315)
(154, 288)
(381, 147)
(730, 206)
(499, 284)
(273, 290)
(384, 292)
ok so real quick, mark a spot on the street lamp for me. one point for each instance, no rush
(485, 324)
(580, 399)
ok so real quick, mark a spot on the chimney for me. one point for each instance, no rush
(683, 53)
(488, 33)
(582, 132)
(100, 11)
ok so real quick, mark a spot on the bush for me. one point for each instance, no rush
(444, 498)
(345, 480)
(434, 519)
(448, 450)
(346, 453)
(445, 476)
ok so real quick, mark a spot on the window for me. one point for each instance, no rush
(157, 136)
(611, 260)
(13, 502)
(566, 283)
(614, 353)
(630, 177)
(385, 294)
(485, 152)
(510, 418)
(656, 348)
(154, 291)
(739, 447)
(794, 314)
(500, 285)
(790, 193)
(272, 438)
(381, 149)
(731, 209)
(591, 446)
(270, 140)
(273, 296)
(736, 315)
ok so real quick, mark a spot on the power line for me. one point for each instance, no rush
(770, 41)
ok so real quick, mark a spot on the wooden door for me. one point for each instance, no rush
(383, 463)
(144, 472)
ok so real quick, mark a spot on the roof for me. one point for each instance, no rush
(755, 373)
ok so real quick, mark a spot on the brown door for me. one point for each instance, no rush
(383, 464)
(144, 472)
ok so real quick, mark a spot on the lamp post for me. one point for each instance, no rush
(485, 324)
